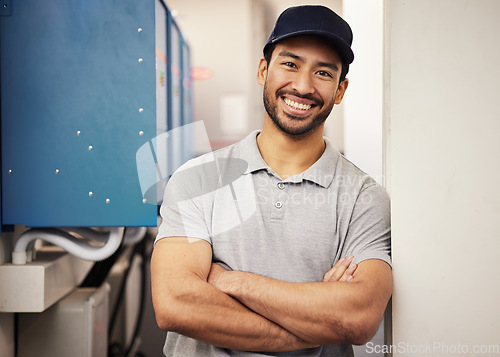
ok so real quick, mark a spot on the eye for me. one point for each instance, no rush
(289, 64)
(324, 74)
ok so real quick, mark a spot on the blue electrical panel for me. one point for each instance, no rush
(85, 85)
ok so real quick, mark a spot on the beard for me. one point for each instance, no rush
(288, 127)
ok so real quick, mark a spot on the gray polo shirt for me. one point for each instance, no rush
(292, 230)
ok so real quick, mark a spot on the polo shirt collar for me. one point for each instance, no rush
(321, 172)
(251, 154)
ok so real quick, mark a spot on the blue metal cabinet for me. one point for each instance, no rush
(79, 83)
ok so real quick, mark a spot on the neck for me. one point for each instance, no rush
(289, 155)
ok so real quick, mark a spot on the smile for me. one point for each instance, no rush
(296, 105)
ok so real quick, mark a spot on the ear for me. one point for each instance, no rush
(262, 71)
(341, 91)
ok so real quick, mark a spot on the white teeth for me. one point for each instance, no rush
(297, 105)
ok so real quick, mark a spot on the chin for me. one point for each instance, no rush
(306, 129)
(297, 132)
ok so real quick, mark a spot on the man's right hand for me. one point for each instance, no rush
(343, 270)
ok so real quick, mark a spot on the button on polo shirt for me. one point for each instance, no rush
(292, 199)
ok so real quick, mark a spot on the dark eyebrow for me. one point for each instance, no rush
(290, 54)
(332, 66)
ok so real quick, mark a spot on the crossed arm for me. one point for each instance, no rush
(245, 311)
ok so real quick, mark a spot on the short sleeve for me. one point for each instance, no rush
(369, 233)
(182, 209)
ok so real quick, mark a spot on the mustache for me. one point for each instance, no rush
(317, 101)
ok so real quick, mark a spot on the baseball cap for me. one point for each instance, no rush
(314, 20)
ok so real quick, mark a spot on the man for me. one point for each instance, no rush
(277, 245)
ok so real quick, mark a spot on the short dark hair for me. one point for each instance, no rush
(269, 52)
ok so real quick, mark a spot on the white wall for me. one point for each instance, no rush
(363, 104)
(221, 37)
(363, 100)
(443, 115)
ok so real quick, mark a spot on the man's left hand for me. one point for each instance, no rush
(343, 270)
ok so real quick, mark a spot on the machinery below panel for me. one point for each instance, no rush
(75, 326)
(36, 286)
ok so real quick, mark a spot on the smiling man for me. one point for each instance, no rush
(277, 245)
(307, 99)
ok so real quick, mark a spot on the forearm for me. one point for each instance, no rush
(320, 313)
(196, 309)
(298, 307)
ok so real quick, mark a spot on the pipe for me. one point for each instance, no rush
(71, 244)
(133, 235)
(89, 233)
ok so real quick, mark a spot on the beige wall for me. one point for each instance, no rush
(443, 83)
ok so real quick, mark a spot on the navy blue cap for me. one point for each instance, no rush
(314, 20)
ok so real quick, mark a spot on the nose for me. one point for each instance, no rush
(303, 83)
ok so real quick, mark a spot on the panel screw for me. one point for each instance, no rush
(10, 171)
(141, 133)
(90, 193)
(107, 200)
(140, 60)
(144, 200)
(90, 147)
(139, 30)
(78, 132)
(141, 110)
(57, 171)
